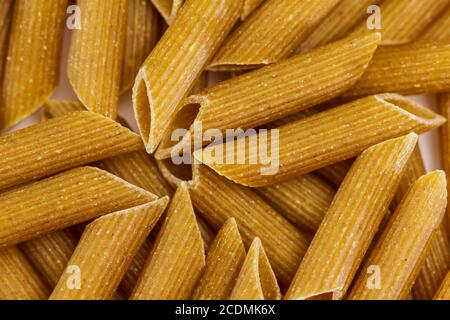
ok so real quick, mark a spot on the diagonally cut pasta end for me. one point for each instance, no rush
(144, 112)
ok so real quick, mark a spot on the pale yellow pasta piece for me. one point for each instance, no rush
(275, 91)
(402, 21)
(60, 144)
(439, 31)
(218, 199)
(50, 253)
(5, 21)
(32, 67)
(256, 280)
(67, 199)
(303, 200)
(409, 69)
(249, 7)
(142, 33)
(272, 33)
(352, 221)
(95, 59)
(338, 23)
(18, 279)
(106, 250)
(223, 263)
(178, 258)
(176, 63)
(444, 290)
(402, 247)
(168, 8)
(323, 139)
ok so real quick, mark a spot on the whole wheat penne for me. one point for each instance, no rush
(60, 144)
(79, 195)
(218, 199)
(303, 200)
(275, 91)
(272, 33)
(439, 31)
(323, 139)
(249, 7)
(176, 63)
(96, 54)
(178, 258)
(409, 69)
(402, 21)
(106, 250)
(223, 263)
(444, 290)
(400, 251)
(437, 260)
(352, 221)
(142, 33)
(168, 8)
(338, 23)
(50, 253)
(32, 66)
(18, 279)
(5, 21)
(256, 280)
(336, 173)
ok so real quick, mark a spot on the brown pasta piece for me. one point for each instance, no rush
(80, 195)
(96, 55)
(256, 280)
(106, 250)
(223, 263)
(60, 144)
(178, 258)
(32, 67)
(18, 279)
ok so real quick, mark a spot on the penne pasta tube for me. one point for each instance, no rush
(5, 22)
(96, 53)
(50, 254)
(60, 144)
(176, 63)
(402, 21)
(218, 199)
(444, 291)
(437, 260)
(178, 258)
(275, 91)
(439, 31)
(338, 23)
(402, 247)
(249, 7)
(351, 223)
(303, 200)
(168, 8)
(323, 139)
(256, 280)
(106, 250)
(32, 67)
(18, 279)
(80, 195)
(142, 34)
(271, 34)
(410, 69)
(223, 263)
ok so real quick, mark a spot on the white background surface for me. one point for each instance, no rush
(429, 142)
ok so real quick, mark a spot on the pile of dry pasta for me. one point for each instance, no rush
(324, 196)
